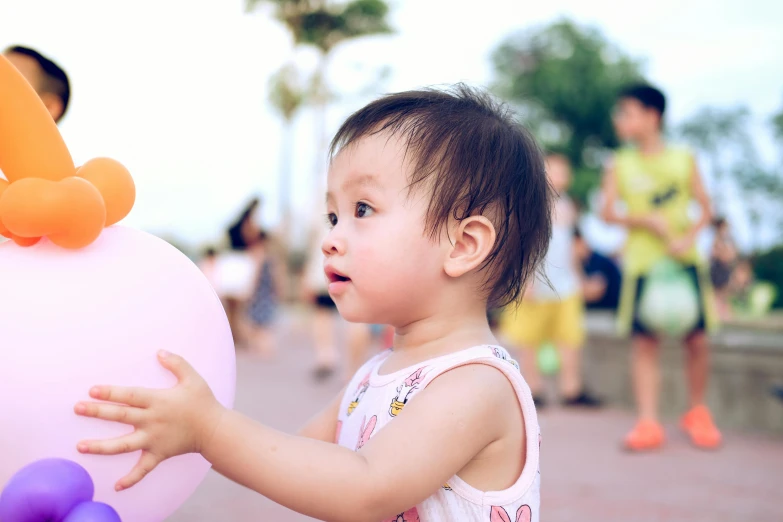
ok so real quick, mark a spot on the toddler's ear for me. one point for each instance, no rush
(472, 240)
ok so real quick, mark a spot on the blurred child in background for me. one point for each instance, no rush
(553, 307)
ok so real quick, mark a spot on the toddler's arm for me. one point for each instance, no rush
(432, 439)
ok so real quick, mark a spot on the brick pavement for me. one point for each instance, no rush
(584, 476)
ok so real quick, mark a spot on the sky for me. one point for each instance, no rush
(177, 90)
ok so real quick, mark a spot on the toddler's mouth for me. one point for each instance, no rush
(336, 277)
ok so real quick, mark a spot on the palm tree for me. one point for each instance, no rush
(287, 95)
(324, 25)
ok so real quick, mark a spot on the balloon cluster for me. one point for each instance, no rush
(71, 317)
(53, 490)
(44, 194)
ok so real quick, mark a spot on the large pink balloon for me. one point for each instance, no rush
(72, 319)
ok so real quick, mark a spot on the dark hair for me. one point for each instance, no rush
(719, 222)
(649, 96)
(210, 252)
(235, 236)
(474, 157)
(55, 80)
(577, 233)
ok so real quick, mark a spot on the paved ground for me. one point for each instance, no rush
(584, 476)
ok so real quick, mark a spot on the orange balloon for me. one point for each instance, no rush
(25, 241)
(3, 231)
(43, 194)
(115, 184)
(30, 144)
(71, 212)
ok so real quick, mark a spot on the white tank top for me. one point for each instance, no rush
(372, 401)
(558, 265)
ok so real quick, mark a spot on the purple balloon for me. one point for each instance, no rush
(92, 512)
(44, 491)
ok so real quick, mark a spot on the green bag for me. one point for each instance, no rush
(669, 303)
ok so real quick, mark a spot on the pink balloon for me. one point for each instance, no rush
(73, 319)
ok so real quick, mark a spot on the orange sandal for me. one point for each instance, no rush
(700, 428)
(647, 435)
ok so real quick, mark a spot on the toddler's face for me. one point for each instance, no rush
(382, 266)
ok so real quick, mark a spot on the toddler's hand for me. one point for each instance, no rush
(168, 422)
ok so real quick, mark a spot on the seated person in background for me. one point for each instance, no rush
(722, 260)
(602, 278)
(777, 391)
(740, 282)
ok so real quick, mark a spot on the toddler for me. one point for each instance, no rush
(439, 208)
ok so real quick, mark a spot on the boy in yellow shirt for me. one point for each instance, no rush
(657, 183)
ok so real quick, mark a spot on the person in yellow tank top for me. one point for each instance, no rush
(656, 183)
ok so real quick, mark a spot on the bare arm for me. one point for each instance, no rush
(682, 244)
(443, 429)
(703, 199)
(446, 426)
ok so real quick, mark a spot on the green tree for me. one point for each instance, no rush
(777, 131)
(564, 79)
(777, 125)
(724, 138)
(721, 134)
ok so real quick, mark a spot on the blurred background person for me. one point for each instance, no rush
(47, 78)
(777, 391)
(602, 277)
(723, 258)
(325, 318)
(265, 300)
(740, 282)
(552, 308)
(237, 270)
(657, 183)
(208, 265)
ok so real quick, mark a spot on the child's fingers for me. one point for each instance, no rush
(176, 365)
(124, 444)
(146, 464)
(110, 412)
(138, 397)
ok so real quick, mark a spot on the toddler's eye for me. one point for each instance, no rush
(363, 210)
(331, 218)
